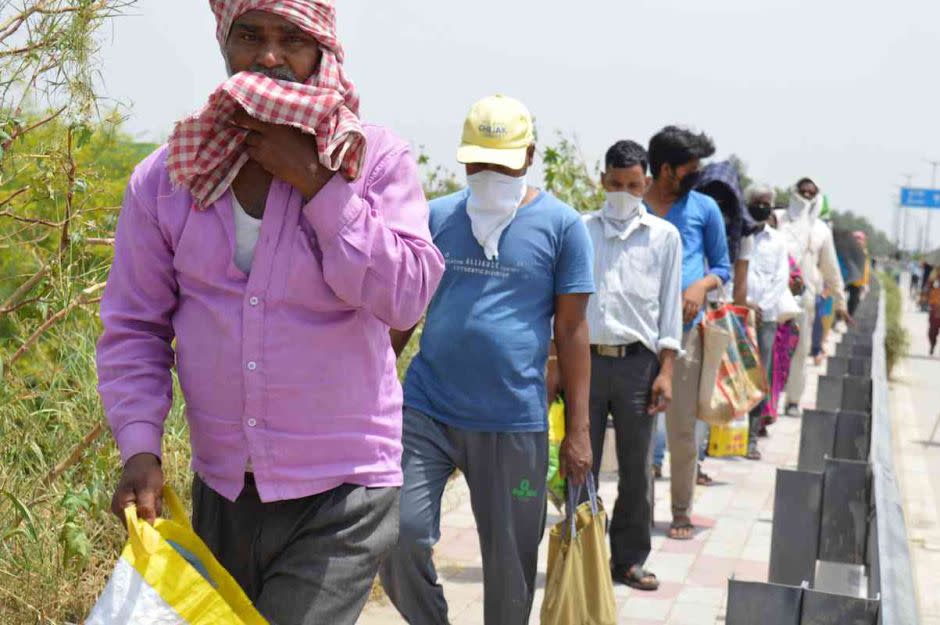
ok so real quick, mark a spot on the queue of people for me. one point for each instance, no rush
(280, 256)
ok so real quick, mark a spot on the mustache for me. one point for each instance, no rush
(276, 73)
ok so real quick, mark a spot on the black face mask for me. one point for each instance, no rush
(688, 182)
(760, 213)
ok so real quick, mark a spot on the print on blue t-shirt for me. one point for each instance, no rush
(481, 365)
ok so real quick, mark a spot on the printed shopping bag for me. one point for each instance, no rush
(579, 589)
(167, 576)
(729, 440)
(733, 380)
(556, 434)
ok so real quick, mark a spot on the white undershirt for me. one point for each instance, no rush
(247, 229)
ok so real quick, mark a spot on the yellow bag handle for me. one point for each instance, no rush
(143, 538)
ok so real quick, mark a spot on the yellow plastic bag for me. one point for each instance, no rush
(167, 576)
(579, 589)
(729, 440)
(556, 434)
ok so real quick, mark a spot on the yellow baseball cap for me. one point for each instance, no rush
(497, 131)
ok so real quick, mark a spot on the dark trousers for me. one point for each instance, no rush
(933, 329)
(855, 297)
(301, 561)
(817, 335)
(620, 388)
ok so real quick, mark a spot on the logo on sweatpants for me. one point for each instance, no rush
(523, 491)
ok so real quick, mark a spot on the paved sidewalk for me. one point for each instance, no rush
(915, 406)
(735, 516)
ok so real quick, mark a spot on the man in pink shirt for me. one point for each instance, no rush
(279, 295)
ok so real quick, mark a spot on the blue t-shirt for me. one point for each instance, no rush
(485, 343)
(704, 245)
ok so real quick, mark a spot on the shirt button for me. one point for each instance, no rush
(252, 423)
(252, 365)
(253, 301)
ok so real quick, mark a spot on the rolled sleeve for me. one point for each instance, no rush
(670, 295)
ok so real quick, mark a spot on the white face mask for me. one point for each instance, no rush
(492, 205)
(800, 206)
(622, 205)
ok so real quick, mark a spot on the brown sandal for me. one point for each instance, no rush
(681, 531)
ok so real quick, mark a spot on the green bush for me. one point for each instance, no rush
(897, 338)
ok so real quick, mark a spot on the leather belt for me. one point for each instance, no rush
(616, 351)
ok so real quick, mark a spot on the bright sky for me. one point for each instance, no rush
(839, 90)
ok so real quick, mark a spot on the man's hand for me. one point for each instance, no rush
(284, 152)
(693, 300)
(141, 484)
(575, 457)
(660, 394)
(796, 285)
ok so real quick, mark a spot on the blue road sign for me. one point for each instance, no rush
(920, 198)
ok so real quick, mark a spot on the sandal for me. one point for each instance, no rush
(637, 577)
(681, 531)
(754, 454)
(704, 479)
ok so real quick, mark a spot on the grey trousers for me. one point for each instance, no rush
(766, 335)
(506, 475)
(620, 388)
(303, 561)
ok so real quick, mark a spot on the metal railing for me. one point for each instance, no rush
(839, 551)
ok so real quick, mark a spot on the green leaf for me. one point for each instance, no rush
(75, 543)
(24, 513)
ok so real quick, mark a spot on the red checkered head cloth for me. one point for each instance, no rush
(206, 152)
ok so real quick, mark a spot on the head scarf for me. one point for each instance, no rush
(725, 176)
(206, 153)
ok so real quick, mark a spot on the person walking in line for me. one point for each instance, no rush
(767, 284)
(475, 394)
(635, 320)
(857, 288)
(809, 241)
(269, 283)
(932, 287)
(675, 157)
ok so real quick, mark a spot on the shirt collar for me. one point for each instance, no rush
(623, 229)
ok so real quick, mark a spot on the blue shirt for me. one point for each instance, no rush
(704, 245)
(481, 365)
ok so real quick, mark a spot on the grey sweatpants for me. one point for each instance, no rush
(506, 475)
(302, 561)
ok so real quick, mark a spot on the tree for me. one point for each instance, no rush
(63, 167)
(879, 244)
(567, 175)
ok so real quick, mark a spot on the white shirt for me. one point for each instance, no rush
(768, 273)
(809, 240)
(638, 278)
(247, 229)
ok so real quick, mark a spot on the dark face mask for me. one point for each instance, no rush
(688, 182)
(760, 213)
